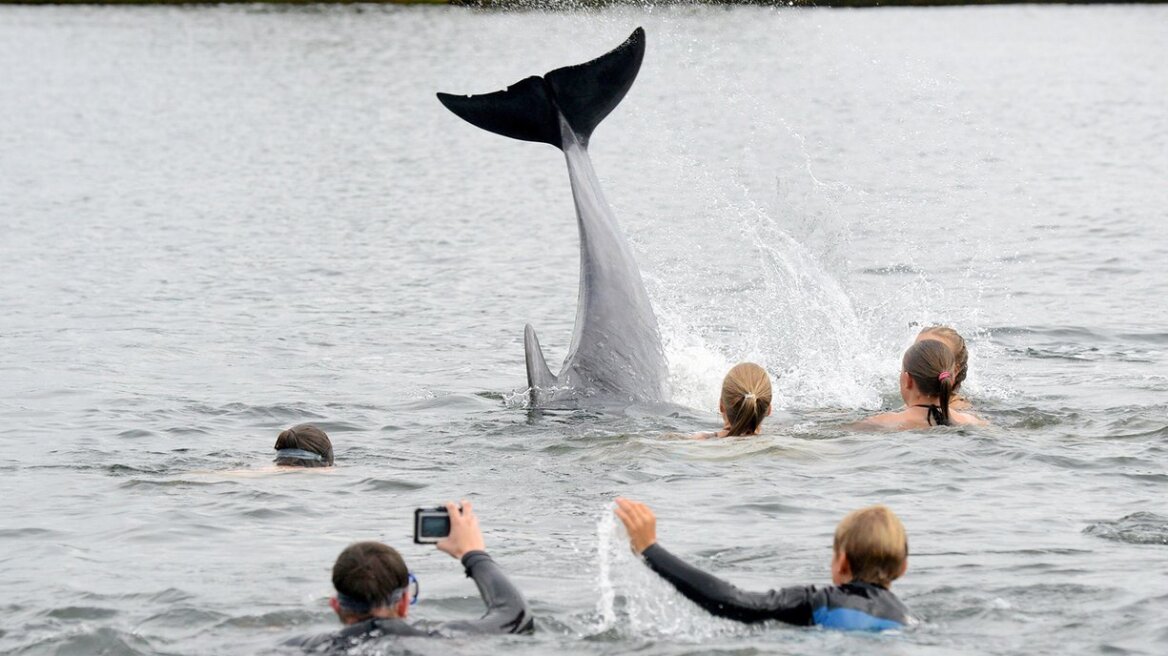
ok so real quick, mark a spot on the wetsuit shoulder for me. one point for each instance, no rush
(791, 605)
(507, 610)
(860, 607)
(342, 641)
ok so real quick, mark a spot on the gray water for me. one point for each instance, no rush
(219, 222)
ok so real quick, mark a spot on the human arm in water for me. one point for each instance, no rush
(507, 610)
(790, 605)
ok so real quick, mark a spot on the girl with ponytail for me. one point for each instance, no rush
(956, 343)
(927, 380)
(745, 401)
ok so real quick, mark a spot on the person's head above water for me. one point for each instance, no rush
(928, 377)
(746, 399)
(304, 445)
(371, 580)
(870, 545)
(956, 343)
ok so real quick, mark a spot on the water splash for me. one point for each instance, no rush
(786, 311)
(634, 601)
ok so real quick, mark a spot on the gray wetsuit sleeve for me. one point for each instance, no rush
(790, 605)
(507, 610)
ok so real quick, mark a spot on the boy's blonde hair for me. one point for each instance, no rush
(875, 544)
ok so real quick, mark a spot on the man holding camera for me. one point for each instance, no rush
(375, 591)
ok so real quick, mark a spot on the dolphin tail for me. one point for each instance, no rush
(538, 374)
(584, 94)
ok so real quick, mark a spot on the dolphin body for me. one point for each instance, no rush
(616, 355)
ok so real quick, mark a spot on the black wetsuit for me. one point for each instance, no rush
(506, 613)
(851, 606)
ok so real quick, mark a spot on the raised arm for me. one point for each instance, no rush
(719, 597)
(507, 610)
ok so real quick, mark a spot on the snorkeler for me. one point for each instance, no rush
(956, 343)
(375, 591)
(869, 552)
(304, 445)
(927, 379)
(745, 401)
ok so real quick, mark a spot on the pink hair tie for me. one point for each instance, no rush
(945, 375)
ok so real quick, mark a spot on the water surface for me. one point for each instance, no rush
(219, 222)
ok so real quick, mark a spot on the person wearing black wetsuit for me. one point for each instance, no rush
(374, 592)
(870, 551)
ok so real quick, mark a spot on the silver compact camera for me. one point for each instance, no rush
(431, 525)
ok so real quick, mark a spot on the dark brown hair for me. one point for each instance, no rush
(931, 364)
(370, 572)
(309, 438)
(746, 398)
(956, 343)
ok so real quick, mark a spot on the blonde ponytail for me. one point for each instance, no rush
(746, 398)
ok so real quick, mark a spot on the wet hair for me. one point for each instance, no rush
(932, 367)
(746, 397)
(875, 543)
(956, 343)
(368, 574)
(305, 437)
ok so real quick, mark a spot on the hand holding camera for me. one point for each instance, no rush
(455, 530)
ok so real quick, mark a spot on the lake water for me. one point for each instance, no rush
(221, 221)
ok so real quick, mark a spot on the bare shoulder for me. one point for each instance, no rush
(960, 404)
(886, 421)
(968, 419)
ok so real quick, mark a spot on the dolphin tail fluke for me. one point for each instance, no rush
(584, 94)
(538, 374)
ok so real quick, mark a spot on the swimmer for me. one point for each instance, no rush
(926, 385)
(304, 445)
(375, 590)
(869, 552)
(956, 343)
(745, 402)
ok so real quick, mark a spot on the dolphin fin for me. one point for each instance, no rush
(538, 374)
(584, 94)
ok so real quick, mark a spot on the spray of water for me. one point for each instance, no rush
(763, 267)
(634, 601)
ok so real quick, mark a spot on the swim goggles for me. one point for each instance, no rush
(359, 607)
(297, 454)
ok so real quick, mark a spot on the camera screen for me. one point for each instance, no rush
(435, 526)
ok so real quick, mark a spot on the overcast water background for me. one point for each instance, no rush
(221, 221)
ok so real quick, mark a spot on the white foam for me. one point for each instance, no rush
(634, 601)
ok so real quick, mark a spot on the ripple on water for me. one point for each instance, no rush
(169, 483)
(388, 485)
(31, 531)
(100, 641)
(183, 617)
(81, 613)
(1032, 418)
(274, 619)
(275, 413)
(1136, 528)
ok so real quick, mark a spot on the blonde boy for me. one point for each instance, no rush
(869, 552)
